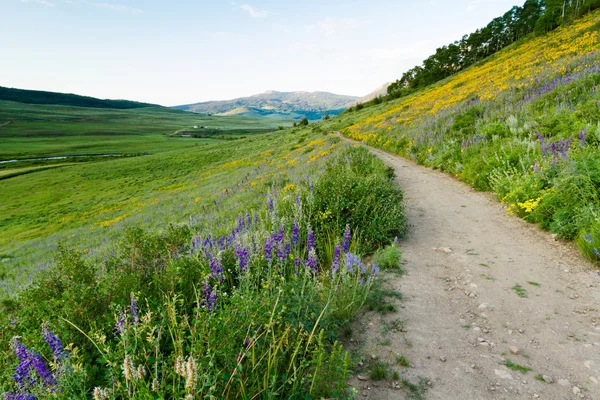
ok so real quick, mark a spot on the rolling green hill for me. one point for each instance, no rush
(65, 99)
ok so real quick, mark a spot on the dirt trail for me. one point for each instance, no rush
(464, 256)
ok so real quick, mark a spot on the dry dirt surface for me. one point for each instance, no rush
(482, 289)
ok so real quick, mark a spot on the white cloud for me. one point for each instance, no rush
(111, 6)
(331, 25)
(254, 12)
(44, 2)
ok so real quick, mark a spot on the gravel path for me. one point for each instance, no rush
(464, 317)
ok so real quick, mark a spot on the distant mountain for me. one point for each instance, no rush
(380, 91)
(273, 104)
(65, 99)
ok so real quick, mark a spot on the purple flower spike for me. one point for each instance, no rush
(55, 344)
(295, 233)
(588, 238)
(310, 239)
(133, 308)
(311, 262)
(209, 297)
(346, 242)
(216, 269)
(243, 256)
(335, 264)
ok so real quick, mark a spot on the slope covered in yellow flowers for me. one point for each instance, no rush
(518, 66)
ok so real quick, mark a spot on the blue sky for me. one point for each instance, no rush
(184, 51)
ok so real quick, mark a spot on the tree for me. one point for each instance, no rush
(304, 121)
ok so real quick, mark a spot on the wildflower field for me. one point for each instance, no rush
(229, 275)
(524, 123)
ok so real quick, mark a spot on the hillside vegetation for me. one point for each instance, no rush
(41, 130)
(65, 99)
(230, 279)
(524, 123)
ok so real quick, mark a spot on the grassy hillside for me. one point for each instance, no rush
(32, 130)
(65, 99)
(237, 264)
(524, 123)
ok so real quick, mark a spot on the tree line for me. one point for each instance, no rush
(534, 17)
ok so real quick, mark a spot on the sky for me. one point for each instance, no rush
(186, 51)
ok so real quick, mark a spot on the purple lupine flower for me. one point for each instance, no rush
(216, 269)
(311, 262)
(298, 201)
(375, 271)
(19, 396)
(269, 244)
(582, 136)
(310, 239)
(295, 233)
(346, 241)
(553, 148)
(209, 297)
(133, 308)
(335, 264)
(21, 374)
(297, 264)
(120, 323)
(588, 238)
(536, 168)
(243, 256)
(55, 344)
(281, 253)
(27, 360)
(42, 369)
(351, 262)
(597, 253)
(270, 204)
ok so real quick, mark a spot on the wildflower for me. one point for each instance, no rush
(582, 136)
(335, 264)
(298, 201)
(351, 262)
(154, 385)
(133, 308)
(55, 344)
(243, 256)
(311, 262)
(269, 244)
(270, 204)
(141, 372)
(128, 368)
(295, 233)
(310, 239)
(100, 393)
(216, 269)
(120, 323)
(346, 242)
(28, 360)
(19, 396)
(536, 168)
(191, 369)
(180, 366)
(209, 296)
(597, 253)
(588, 238)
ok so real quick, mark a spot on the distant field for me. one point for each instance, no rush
(30, 130)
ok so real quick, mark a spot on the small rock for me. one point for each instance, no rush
(373, 356)
(362, 378)
(473, 366)
(503, 374)
(576, 390)
(442, 359)
(594, 380)
(521, 331)
(589, 364)
(573, 296)
(481, 340)
(536, 396)
(429, 383)
(547, 379)
(360, 363)
(514, 350)
(483, 306)
(564, 382)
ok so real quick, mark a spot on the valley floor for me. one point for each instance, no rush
(484, 289)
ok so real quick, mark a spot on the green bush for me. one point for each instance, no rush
(388, 257)
(357, 189)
